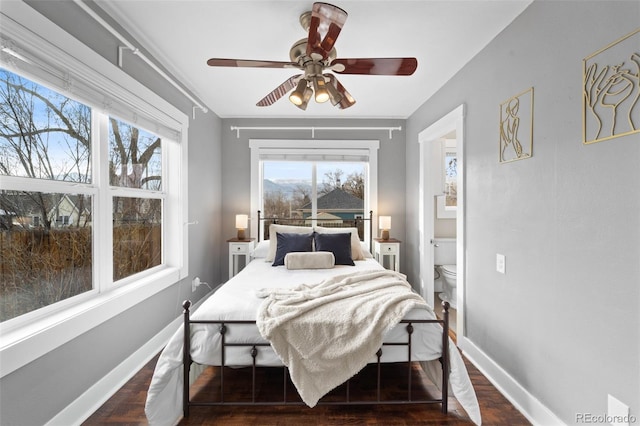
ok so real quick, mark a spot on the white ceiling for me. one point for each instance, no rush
(183, 34)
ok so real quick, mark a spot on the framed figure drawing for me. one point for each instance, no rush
(516, 127)
(611, 90)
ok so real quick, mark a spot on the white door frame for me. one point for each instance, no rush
(427, 191)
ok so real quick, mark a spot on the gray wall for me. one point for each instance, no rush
(563, 321)
(236, 155)
(35, 393)
(568, 220)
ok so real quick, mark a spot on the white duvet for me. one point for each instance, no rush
(238, 300)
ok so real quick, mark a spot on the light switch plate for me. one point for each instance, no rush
(501, 263)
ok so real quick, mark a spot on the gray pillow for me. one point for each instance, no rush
(338, 244)
(291, 242)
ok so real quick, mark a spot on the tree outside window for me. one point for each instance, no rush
(47, 199)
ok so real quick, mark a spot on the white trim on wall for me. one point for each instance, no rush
(530, 407)
(454, 120)
(87, 403)
(91, 400)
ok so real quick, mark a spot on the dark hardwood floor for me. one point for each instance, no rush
(126, 407)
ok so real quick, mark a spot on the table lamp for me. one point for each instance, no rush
(242, 222)
(384, 223)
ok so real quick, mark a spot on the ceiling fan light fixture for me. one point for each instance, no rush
(305, 100)
(297, 96)
(347, 100)
(320, 89)
(334, 96)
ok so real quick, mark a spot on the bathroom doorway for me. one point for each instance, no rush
(432, 141)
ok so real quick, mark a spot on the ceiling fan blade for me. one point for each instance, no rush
(346, 99)
(248, 63)
(375, 66)
(325, 25)
(279, 91)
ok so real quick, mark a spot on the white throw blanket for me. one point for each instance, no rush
(326, 333)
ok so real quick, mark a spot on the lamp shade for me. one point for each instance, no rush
(297, 96)
(320, 89)
(242, 221)
(384, 222)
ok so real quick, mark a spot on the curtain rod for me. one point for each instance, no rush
(313, 129)
(137, 52)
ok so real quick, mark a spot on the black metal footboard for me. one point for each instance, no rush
(254, 349)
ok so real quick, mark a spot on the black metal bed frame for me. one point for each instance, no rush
(253, 350)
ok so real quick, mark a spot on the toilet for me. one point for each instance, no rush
(444, 259)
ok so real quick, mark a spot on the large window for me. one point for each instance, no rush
(88, 216)
(325, 190)
(46, 238)
(330, 182)
(93, 203)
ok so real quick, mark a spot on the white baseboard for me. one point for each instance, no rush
(536, 412)
(87, 404)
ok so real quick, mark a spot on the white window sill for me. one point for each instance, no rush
(31, 341)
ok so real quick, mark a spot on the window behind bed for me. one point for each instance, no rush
(314, 183)
(297, 192)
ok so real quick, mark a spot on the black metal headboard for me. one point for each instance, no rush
(358, 222)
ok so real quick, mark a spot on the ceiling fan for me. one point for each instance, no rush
(316, 54)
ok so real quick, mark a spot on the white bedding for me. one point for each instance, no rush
(237, 300)
(326, 333)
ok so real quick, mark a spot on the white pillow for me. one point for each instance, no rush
(261, 249)
(356, 249)
(365, 250)
(273, 237)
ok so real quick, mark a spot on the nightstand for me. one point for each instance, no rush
(239, 248)
(391, 248)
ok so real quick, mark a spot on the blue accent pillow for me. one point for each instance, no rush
(291, 242)
(338, 244)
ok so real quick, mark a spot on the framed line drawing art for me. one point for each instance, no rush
(611, 90)
(516, 127)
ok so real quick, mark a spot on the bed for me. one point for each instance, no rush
(267, 316)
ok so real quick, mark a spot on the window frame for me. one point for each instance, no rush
(316, 150)
(66, 65)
